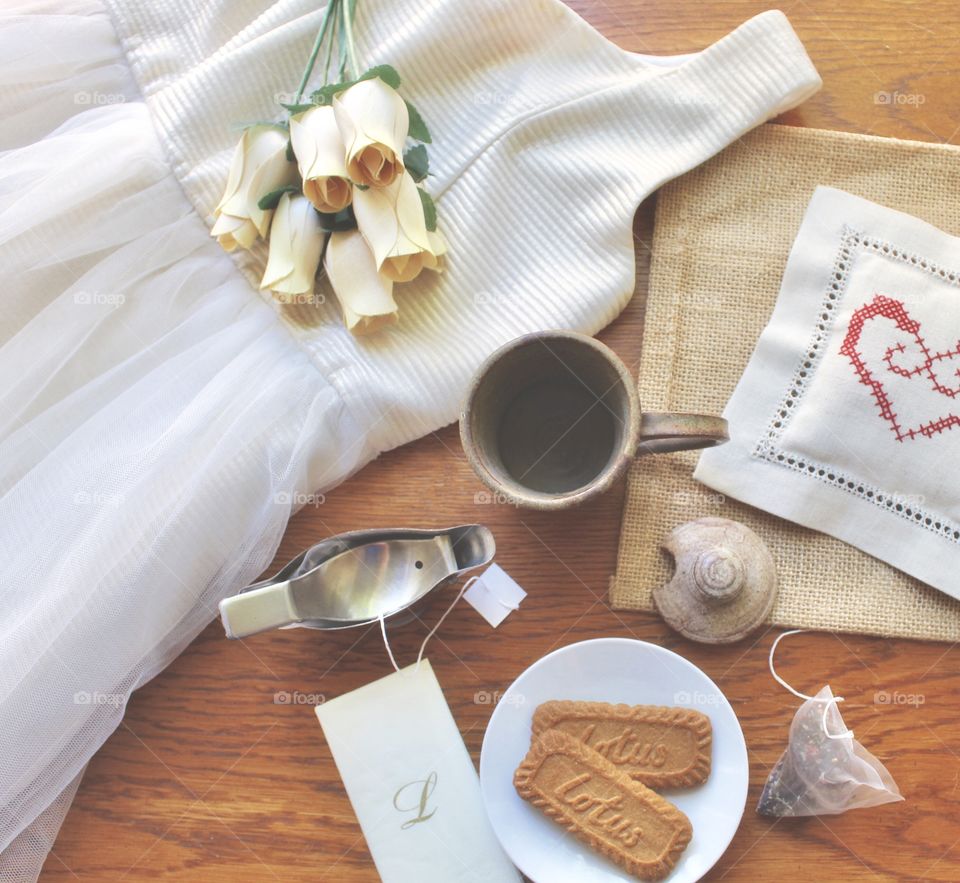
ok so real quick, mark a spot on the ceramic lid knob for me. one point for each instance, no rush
(718, 575)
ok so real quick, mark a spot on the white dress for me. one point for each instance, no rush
(160, 419)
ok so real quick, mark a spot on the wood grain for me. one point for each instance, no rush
(209, 779)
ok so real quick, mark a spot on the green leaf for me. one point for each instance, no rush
(296, 108)
(418, 128)
(324, 95)
(338, 221)
(417, 162)
(429, 210)
(273, 197)
(387, 73)
(289, 153)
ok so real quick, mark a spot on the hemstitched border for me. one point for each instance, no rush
(768, 446)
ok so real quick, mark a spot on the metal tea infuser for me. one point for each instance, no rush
(358, 578)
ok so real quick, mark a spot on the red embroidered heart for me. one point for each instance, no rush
(895, 311)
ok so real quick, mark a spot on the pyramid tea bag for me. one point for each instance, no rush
(824, 770)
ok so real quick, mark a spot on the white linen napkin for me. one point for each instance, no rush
(412, 783)
(847, 418)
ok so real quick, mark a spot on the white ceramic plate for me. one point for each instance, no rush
(610, 670)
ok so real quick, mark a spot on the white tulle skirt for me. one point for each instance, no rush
(156, 420)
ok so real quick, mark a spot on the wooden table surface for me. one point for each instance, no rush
(210, 779)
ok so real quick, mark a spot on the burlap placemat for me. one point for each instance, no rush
(721, 240)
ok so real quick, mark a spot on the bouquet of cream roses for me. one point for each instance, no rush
(335, 183)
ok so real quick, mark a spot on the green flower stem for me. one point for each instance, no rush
(333, 27)
(348, 11)
(332, 6)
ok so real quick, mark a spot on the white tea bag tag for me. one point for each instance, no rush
(494, 595)
(411, 782)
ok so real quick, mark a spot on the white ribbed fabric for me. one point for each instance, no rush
(546, 138)
(158, 418)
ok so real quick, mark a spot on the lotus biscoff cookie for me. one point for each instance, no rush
(659, 746)
(600, 804)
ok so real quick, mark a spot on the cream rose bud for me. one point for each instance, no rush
(392, 222)
(296, 241)
(259, 166)
(374, 123)
(366, 296)
(320, 155)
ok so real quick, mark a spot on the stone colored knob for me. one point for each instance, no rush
(718, 575)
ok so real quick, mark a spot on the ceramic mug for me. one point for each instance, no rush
(553, 418)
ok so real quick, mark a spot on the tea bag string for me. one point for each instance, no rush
(833, 700)
(431, 633)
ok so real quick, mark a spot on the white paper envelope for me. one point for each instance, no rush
(412, 783)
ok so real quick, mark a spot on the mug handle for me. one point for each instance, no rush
(661, 432)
